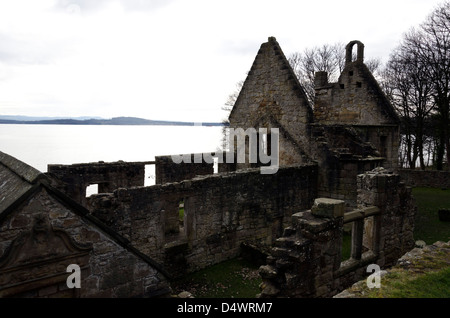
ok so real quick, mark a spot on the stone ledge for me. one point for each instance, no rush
(329, 208)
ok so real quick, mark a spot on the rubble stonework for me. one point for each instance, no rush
(108, 175)
(272, 97)
(307, 262)
(167, 171)
(129, 237)
(221, 212)
(351, 128)
(42, 232)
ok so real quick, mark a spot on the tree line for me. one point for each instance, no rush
(416, 80)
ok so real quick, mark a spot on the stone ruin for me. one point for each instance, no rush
(352, 127)
(307, 260)
(131, 240)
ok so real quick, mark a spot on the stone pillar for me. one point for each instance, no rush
(397, 209)
(327, 247)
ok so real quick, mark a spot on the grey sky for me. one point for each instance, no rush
(176, 59)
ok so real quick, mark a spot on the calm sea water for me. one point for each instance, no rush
(40, 145)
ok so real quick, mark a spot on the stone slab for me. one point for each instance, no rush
(330, 208)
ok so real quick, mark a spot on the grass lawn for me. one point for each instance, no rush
(235, 278)
(346, 246)
(428, 285)
(401, 283)
(427, 225)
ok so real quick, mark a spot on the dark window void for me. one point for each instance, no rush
(358, 84)
(342, 86)
(350, 73)
(383, 146)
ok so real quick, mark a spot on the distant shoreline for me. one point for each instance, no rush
(112, 121)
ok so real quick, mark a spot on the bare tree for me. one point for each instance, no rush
(437, 29)
(374, 66)
(228, 106)
(329, 58)
(431, 45)
(410, 92)
(417, 79)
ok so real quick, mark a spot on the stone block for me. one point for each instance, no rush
(267, 271)
(330, 208)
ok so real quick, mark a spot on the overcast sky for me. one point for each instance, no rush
(169, 59)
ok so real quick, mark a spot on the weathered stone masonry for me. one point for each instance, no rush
(306, 261)
(221, 212)
(109, 176)
(272, 97)
(128, 238)
(351, 128)
(42, 232)
(166, 170)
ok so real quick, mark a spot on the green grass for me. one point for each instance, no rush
(429, 285)
(428, 227)
(346, 246)
(236, 278)
(403, 284)
(181, 214)
(431, 276)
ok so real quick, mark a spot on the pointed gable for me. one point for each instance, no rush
(271, 90)
(271, 86)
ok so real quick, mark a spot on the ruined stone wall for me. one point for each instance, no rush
(166, 170)
(221, 211)
(426, 178)
(397, 212)
(349, 101)
(42, 237)
(108, 176)
(385, 139)
(307, 261)
(339, 180)
(355, 99)
(272, 97)
(341, 156)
